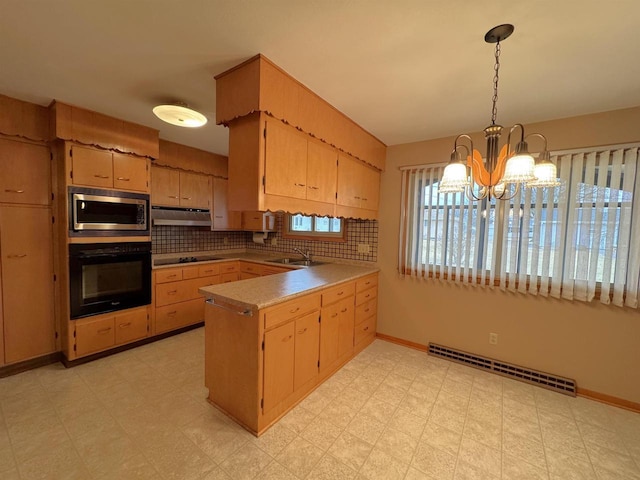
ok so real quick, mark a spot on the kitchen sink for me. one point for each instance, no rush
(306, 263)
(282, 260)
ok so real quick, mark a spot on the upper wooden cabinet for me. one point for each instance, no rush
(358, 187)
(175, 155)
(221, 217)
(26, 176)
(258, 85)
(92, 128)
(105, 169)
(175, 188)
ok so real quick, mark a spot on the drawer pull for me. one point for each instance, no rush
(341, 292)
(366, 328)
(343, 310)
(208, 271)
(101, 176)
(125, 325)
(172, 292)
(104, 330)
(294, 310)
(173, 196)
(172, 314)
(334, 315)
(366, 310)
(173, 275)
(18, 255)
(367, 282)
(299, 184)
(357, 198)
(8, 190)
(287, 338)
(186, 198)
(365, 199)
(300, 332)
(367, 295)
(313, 188)
(123, 179)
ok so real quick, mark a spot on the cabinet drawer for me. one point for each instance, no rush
(366, 295)
(168, 275)
(266, 270)
(251, 268)
(365, 330)
(367, 282)
(229, 267)
(94, 335)
(339, 292)
(291, 309)
(179, 315)
(131, 326)
(367, 309)
(190, 272)
(174, 292)
(208, 270)
(247, 275)
(229, 277)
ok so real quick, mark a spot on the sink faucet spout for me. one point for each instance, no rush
(306, 255)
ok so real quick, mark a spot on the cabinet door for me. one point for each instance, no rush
(285, 161)
(94, 335)
(27, 287)
(222, 219)
(306, 349)
(349, 182)
(165, 187)
(130, 173)
(371, 188)
(92, 167)
(329, 334)
(195, 190)
(279, 354)
(26, 174)
(346, 314)
(131, 326)
(322, 171)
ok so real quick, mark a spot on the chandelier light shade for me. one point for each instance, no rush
(502, 171)
(180, 115)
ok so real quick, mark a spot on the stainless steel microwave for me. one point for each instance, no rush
(96, 212)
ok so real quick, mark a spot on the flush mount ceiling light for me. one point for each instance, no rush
(179, 114)
(503, 171)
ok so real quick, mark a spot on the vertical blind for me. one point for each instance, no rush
(574, 241)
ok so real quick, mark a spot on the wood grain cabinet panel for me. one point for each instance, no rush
(94, 335)
(307, 340)
(27, 282)
(26, 176)
(130, 173)
(92, 167)
(279, 358)
(130, 326)
(171, 317)
(165, 187)
(221, 217)
(285, 161)
(195, 190)
(322, 171)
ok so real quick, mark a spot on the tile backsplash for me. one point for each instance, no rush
(174, 239)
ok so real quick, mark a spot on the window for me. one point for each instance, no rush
(570, 241)
(315, 228)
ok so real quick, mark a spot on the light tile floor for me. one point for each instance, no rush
(390, 413)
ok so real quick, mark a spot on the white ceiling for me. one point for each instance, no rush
(406, 70)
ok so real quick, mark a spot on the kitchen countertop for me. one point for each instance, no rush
(258, 293)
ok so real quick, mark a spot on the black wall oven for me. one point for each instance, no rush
(95, 212)
(105, 277)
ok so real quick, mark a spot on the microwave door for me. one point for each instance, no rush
(92, 212)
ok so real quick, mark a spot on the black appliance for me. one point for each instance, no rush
(105, 277)
(96, 212)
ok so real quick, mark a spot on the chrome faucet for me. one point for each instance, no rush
(306, 256)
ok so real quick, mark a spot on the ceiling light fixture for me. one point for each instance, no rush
(502, 173)
(180, 114)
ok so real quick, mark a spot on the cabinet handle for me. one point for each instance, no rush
(104, 330)
(9, 190)
(299, 184)
(173, 275)
(357, 198)
(365, 199)
(186, 198)
(172, 314)
(340, 293)
(172, 292)
(313, 188)
(367, 282)
(124, 179)
(334, 315)
(101, 176)
(19, 255)
(343, 310)
(366, 310)
(208, 271)
(125, 325)
(287, 338)
(367, 295)
(294, 310)
(365, 329)
(173, 196)
(300, 332)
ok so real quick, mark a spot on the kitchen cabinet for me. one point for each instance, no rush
(26, 177)
(175, 188)
(366, 311)
(27, 282)
(176, 300)
(221, 217)
(279, 364)
(358, 189)
(336, 327)
(258, 221)
(102, 332)
(105, 169)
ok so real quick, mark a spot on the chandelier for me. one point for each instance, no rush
(503, 171)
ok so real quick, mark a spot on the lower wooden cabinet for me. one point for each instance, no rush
(279, 364)
(102, 332)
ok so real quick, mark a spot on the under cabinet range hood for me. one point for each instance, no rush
(186, 217)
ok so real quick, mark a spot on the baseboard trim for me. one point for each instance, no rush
(581, 392)
(89, 358)
(30, 364)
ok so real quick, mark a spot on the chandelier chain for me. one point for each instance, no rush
(494, 110)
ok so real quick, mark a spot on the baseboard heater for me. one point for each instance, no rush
(541, 379)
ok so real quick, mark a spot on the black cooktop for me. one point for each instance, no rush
(192, 259)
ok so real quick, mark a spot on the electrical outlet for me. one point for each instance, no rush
(274, 242)
(493, 338)
(225, 240)
(363, 248)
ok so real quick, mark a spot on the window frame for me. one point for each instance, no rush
(288, 233)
